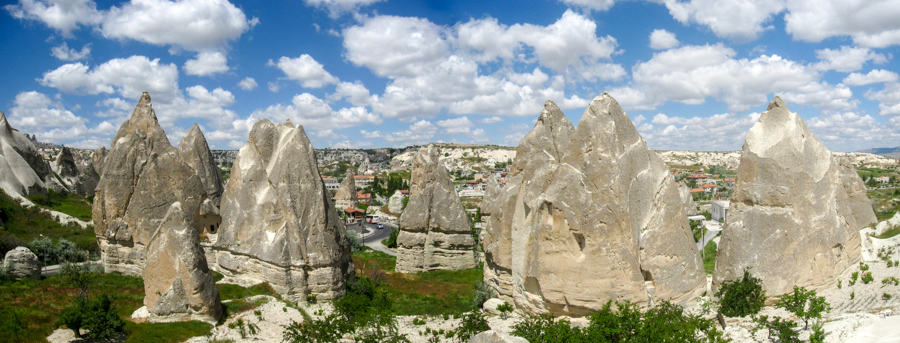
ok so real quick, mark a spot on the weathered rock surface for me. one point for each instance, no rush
(435, 231)
(510, 208)
(64, 164)
(22, 169)
(194, 150)
(21, 263)
(859, 203)
(90, 171)
(142, 176)
(395, 202)
(346, 196)
(791, 217)
(491, 336)
(177, 282)
(690, 207)
(589, 215)
(278, 221)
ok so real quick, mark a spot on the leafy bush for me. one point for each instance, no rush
(482, 294)
(97, 315)
(665, 322)
(853, 278)
(12, 323)
(356, 241)
(391, 241)
(804, 304)
(505, 309)
(779, 328)
(867, 277)
(738, 298)
(471, 324)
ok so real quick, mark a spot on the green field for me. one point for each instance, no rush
(23, 225)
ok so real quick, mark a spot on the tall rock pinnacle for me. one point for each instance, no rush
(792, 218)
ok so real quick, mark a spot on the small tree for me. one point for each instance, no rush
(505, 309)
(738, 298)
(471, 324)
(805, 304)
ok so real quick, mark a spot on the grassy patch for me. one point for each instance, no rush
(709, 257)
(229, 291)
(891, 232)
(26, 224)
(39, 302)
(433, 293)
(165, 332)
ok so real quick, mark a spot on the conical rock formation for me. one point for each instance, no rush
(595, 217)
(278, 221)
(194, 150)
(690, 207)
(510, 208)
(22, 169)
(346, 196)
(177, 282)
(90, 171)
(435, 231)
(142, 176)
(792, 219)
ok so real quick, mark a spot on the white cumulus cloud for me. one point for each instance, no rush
(873, 76)
(247, 84)
(206, 63)
(337, 7)
(128, 77)
(305, 70)
(662, 40)
(847, 59)
(63, 52)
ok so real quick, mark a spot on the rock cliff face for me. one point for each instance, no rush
(435, 231)
(194, 150)
(346, 196)
(791, 218)
(178, 285)
(590, 215)
(23, 171)
(64, 164)
(142, 176)
(278, 222)
(859, 203)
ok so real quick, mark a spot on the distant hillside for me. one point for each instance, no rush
(889, 152)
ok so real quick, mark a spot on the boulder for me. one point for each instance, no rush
(346, 196)
(590, 215)
(142, 176)
(435, 230)
(194, 150)
(490, 306)
(21, 263)
(278, 221)
(792, 219)
(395, 202)
(23, 171)
(178, 284)
(491, 336)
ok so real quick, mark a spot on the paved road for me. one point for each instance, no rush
(374, 236)
(56, 268)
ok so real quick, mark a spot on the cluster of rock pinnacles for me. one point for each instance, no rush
(587, 215)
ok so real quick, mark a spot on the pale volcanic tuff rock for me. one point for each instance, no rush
(346, 196)
(21, 263)
(595, 216)
(395, 203)
(859, 203)
(194, 150)
(22, 169)
(791, 218)
(90, 171)
(64, 164)
(278, 221)
(511, 207)
(142, 176)
(690, 207)
(177, 282)
(435, 231)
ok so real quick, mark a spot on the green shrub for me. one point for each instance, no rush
(482, 294)
(853, 278)
(886, 296)
(804, 304)
(391, 241)
(505, 309)
(311, 299)
(867, 277)
(738, 298)
(97, 315)
(782, 329)
(13, 323)
(471, 324)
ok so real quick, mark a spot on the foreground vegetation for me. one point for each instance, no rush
(25, 225)
(72, 204)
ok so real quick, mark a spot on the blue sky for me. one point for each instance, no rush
(692, 75)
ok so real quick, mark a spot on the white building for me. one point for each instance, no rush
(719, 209)
(331, 183)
